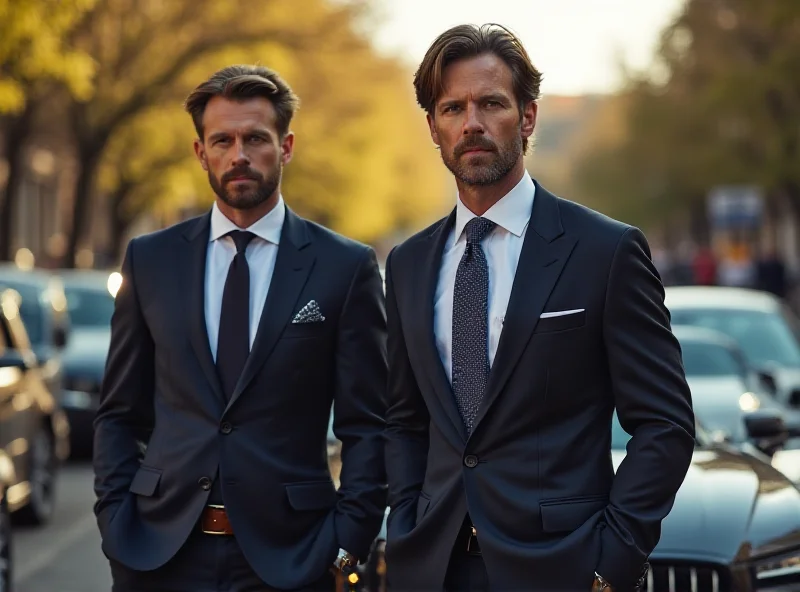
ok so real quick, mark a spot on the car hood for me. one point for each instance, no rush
(729, 507)
(86, 350)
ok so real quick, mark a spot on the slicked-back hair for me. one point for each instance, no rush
(468, 41)
(242, 82)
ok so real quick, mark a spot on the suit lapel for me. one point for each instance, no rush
(292, 266)
(427, 344)
(545, 252)
(197, 237)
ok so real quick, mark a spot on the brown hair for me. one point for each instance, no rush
(466, 41)
(244, 82)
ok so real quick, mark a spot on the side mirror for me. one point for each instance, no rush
(768, 381)
(59, 337)
(767, 429)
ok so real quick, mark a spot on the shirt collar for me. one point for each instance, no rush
(512, 212)
(267, 228)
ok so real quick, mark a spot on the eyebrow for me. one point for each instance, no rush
(252, 132)
(500, 98)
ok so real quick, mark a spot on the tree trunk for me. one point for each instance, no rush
(89, 156)
(15, 141)
(119, 222)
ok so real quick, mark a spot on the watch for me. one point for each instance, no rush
(345, 562)
(600, 583)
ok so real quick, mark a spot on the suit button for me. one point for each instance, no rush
(226, 427)
(471, 461)
(204, 483)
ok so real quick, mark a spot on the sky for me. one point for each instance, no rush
(577, 44)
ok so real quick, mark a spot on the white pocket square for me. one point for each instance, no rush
(310, 313)
(560, 313)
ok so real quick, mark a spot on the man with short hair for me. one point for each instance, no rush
(517, 325)
(233, 335)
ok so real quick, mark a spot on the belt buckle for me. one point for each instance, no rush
(473, 536)
(214, 532)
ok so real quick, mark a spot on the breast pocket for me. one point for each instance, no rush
(565, 322)
(304, 330)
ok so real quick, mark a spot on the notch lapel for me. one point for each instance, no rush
(197, 236)
(545, 252)
(432, 362)
(292, 266)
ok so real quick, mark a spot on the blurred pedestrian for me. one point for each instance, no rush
(233, 335)
(516, 326)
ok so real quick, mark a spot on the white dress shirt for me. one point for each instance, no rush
(502, 247)
(261, 254)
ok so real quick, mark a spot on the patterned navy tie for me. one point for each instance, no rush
(470, 347)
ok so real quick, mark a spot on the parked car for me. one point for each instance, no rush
(6, 478)
(735, 525)
(44, 312)
(34, 431)
(724, 387)
(90, 304)
(762, 325)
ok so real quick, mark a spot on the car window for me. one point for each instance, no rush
(30, 309)
(709, 359)
(89, 307)
(762, 336)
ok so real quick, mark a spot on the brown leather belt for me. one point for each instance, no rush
(214, 520)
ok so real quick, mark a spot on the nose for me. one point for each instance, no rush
(240, 157)
(472, 122)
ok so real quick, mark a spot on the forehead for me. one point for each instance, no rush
(224, 115)
(478, 75)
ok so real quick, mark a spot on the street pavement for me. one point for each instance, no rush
(65, 555)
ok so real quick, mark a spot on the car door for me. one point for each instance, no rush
(18, 413)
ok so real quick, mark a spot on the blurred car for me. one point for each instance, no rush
(34, 431)
(90, 304)
(735, 525)
(724, 388)
(762, 325)
(6, 478)
(44, 312)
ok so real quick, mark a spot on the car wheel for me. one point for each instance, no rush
(5, 546)
(42, 478)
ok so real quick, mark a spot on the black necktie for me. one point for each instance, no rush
(233, 344)
(470, 346)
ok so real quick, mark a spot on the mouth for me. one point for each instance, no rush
(475, 150)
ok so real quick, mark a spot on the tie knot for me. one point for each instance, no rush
(241, 238)
(477, 229)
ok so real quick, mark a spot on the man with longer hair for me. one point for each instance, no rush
(233, 335)
(517, 325)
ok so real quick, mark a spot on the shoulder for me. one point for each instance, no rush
(595, 229)
(165, 238)
(335, 249)
(418, 243)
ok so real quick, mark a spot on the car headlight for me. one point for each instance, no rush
(778, 570)
(749, 402)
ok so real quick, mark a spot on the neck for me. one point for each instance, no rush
(479, 198)
(248, 217)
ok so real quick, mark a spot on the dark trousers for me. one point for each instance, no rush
(206, 563)
(466, 571)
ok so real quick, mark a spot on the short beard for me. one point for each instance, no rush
(249, 199)
(502, 163)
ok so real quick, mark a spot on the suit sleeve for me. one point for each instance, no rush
(407, 422)
(654, 406)
(126, 400)
(359, 409)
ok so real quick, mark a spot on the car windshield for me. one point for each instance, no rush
(89, 307)
(764, 337)
(30, 309)
(709, 359)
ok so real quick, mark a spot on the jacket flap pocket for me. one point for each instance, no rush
(317, 495)
(145, 481)
(304, 330)
(567, 515)
(422, 505)
(561, 323)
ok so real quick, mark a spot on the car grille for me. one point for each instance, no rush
(687, 577)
